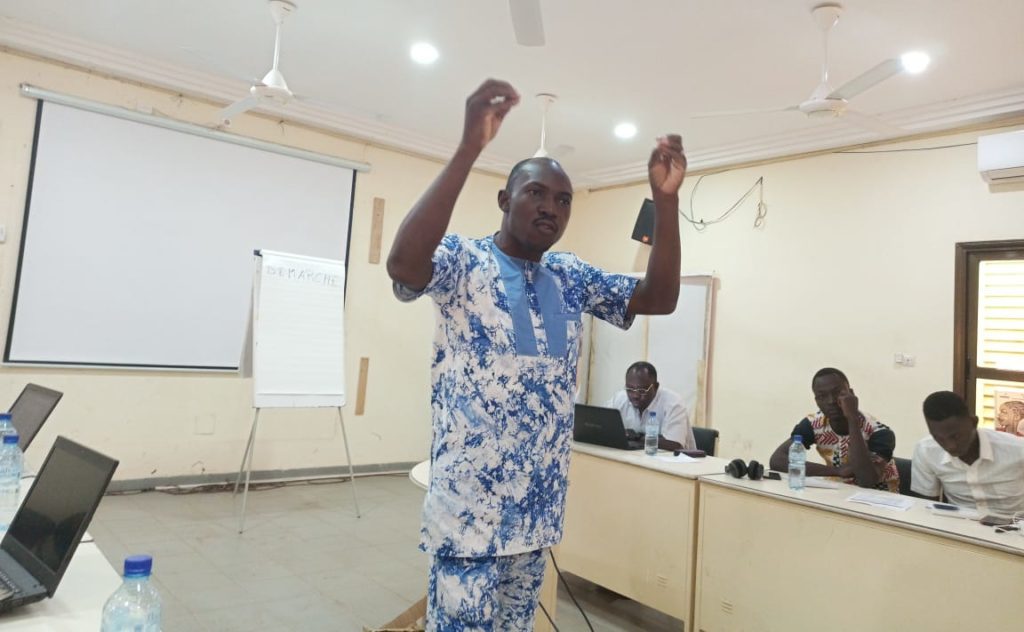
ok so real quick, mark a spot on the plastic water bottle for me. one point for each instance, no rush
(6, 425)
(10, 478)
(135, 606)
(651, 431)
(797, 463)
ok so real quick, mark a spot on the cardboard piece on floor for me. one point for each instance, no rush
(412, 620)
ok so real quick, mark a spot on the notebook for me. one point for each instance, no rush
(44, 534)
(31, 409)
(602, 426)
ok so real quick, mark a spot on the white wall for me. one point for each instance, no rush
(149, 420)
(854, 263)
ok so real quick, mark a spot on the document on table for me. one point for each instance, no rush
(682, 458)
(887, 501)
(964, 513)
(819, 481)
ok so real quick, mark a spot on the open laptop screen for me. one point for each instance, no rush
(31, 409)
(57, 510)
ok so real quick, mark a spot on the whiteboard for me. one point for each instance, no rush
(677, 344)
(138, 241)
(298, 331)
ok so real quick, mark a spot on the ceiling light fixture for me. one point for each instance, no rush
(915, 62)
(423, 53)
(625, 131)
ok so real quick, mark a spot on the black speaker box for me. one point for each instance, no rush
(643, 230)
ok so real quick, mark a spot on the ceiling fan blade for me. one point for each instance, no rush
(698, 115)
(873, 124)
(867, 80)
(527, 22)
(237, 108)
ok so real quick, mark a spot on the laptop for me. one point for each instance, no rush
(31, 409)
(44, 534)
(602, 426)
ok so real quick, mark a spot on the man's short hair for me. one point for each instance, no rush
(519, 166)
(643, 367)
(830, 371)
(943, 405)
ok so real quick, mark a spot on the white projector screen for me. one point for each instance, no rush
(137, 247)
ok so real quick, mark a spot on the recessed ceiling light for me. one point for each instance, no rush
(625, 130)
(423, 53)
(915, 61)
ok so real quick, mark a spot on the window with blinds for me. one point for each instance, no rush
(1001, 314)
(989, 336)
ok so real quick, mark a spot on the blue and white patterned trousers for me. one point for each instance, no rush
(484, 594)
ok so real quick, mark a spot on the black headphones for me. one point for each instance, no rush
(739, 469)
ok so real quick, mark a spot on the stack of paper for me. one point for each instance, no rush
(886, 501)
(682, 458)
(821, 482)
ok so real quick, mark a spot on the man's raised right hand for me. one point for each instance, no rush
(485, 110)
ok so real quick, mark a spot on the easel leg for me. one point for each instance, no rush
(351, 471)
(247, 464)
(245, 455)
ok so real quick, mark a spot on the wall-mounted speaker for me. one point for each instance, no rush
(643, 230)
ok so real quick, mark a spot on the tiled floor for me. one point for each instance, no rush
(304, 562)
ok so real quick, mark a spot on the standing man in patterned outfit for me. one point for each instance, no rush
(504, 365)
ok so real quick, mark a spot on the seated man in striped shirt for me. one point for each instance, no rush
(862, 458)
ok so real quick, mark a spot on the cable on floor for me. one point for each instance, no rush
(569, 590)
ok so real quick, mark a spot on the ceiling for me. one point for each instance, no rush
(654, 63)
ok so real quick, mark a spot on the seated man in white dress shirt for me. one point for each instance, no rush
(643, 394)
(975, 467)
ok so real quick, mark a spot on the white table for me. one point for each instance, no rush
(630, 524)
(78, 603)
(420, 475)
(771, 559)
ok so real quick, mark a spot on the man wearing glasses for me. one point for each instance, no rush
(642, 395)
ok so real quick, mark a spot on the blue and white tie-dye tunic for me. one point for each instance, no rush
(504, 383)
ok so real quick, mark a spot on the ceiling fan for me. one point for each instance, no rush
(824, 102)
(546, 100)
(527, 22)
(272, 88)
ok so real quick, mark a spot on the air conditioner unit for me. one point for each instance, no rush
(1001, 157)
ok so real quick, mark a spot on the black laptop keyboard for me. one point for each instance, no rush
(7, 587)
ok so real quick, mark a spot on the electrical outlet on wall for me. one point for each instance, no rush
(904, 359)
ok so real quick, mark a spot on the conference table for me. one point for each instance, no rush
(769, 558)
(631, 524)
(78, 603)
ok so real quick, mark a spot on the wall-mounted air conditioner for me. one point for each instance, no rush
(1001, 157)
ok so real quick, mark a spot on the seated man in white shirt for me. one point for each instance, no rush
(974, 467)
(643, 394)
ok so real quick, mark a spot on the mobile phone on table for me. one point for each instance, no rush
(696, 454)
(995, 521)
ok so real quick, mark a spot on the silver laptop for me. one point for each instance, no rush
(31, 409)
(44, 534)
